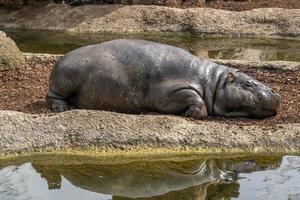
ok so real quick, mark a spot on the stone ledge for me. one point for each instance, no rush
(100, 130)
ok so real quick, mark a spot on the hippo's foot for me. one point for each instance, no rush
(57, 102)
(196, 112)
(58, 105)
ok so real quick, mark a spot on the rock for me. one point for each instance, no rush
(86, 129)
(10, 55)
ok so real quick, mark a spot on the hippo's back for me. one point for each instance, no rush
(116, 75)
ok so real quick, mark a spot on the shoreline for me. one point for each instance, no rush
(261, 22)
(131, 156)
(85, 130)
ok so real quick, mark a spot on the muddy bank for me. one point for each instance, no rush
(24, 89)
(133, 19)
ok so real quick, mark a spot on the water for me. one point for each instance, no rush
(195, 178)
(252, 49)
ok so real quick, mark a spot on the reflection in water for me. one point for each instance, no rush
(145, 180)
(25, 183)
(253, 49)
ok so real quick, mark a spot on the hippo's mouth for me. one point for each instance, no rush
(262, 113)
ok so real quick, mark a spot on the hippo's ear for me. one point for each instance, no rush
(230, 77)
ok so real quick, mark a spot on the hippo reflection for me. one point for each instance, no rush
(189, 180)
(137, 179)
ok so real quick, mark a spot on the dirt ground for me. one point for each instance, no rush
(24, 90)
(251, 4)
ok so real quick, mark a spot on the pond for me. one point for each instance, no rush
(169, 178)
(252, 49)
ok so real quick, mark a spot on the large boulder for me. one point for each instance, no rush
(10, 55)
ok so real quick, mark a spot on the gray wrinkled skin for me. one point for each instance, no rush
(134, 76)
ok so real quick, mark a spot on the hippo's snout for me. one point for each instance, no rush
(270, 102)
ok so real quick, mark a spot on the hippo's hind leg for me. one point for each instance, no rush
(57, 102)
(64, 84)
(186, 101)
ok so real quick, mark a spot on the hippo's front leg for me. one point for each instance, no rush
(185, 101)
(197, 111)
(195, 105)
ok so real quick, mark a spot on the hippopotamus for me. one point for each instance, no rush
(138, 76)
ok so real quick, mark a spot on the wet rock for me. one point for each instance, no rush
(10, 55)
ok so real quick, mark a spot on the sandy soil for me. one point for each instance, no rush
(24, 90)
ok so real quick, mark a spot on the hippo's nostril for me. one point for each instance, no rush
(273, 92)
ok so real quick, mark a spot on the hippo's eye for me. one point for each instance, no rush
(250, 84)
(230, 77)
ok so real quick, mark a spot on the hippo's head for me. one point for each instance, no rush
(239, 95)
